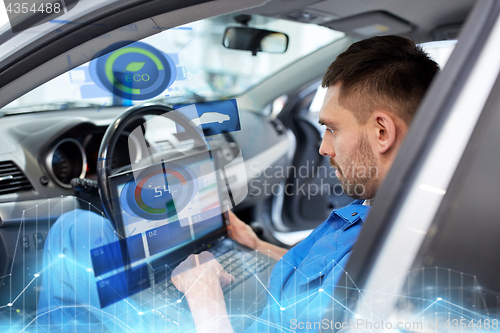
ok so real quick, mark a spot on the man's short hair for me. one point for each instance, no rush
(388, 72)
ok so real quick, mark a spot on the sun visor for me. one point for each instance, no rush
(377, 23)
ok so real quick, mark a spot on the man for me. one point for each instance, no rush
(374, 89)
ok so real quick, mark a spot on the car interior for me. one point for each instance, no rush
(55, 116)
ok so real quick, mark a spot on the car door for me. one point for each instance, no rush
(313, 190)
(426, 255)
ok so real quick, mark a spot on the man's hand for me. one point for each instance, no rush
(200, 273)
(201, 278)
(242, 232)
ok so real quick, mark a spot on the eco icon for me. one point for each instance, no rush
(136, 71)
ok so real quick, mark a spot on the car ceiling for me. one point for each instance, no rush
(424, 15)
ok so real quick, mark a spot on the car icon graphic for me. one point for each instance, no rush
(211, 117)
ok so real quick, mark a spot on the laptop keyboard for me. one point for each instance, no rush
(239, 264)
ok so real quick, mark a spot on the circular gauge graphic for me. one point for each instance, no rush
(137, 71)
(159, 192)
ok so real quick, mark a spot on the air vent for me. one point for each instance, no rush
(12, 179)
(278, 126)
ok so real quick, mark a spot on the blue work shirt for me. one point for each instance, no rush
(302, 282)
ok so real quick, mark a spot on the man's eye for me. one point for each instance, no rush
(329, 130)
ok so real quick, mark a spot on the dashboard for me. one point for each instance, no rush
(51, 148)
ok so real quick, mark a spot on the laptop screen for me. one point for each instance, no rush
(163, 212)
(168, 204)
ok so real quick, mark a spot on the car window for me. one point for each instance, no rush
(204, 69)
(440, 51)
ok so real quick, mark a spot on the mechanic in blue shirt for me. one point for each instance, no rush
(374, 90)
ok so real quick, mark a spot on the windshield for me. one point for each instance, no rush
(201, 68)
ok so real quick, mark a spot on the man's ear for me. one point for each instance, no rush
(385, 130)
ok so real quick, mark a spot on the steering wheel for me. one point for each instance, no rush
(137, 115)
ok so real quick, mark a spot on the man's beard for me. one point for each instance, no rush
(356, 177)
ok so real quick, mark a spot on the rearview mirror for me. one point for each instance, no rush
(255, 40)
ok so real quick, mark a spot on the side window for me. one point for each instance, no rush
(439, 51)
(317, 100)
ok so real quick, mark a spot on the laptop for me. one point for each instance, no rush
(164, 212)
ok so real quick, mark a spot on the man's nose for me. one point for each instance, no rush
(326, 148)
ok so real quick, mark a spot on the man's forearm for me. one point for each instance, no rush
(208, 309)
(270, 250)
